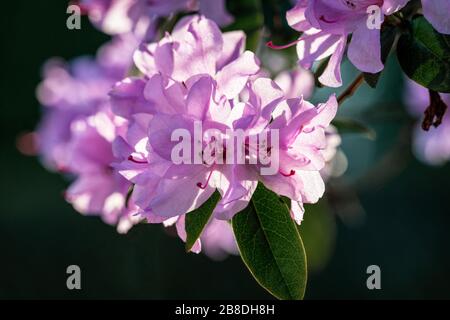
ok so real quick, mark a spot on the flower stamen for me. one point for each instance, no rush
(291, 173)
(130, 158)
(271, 45)
(203, 186)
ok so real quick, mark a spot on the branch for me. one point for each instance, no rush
(351, 89)
(435, 112)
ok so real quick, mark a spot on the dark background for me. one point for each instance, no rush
(389, 209)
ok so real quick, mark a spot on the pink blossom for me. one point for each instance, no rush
(335, 159)
(197, 75)
(76, 90)
(139, 16)
(165, 189)
(170, 66)
(326, 25)
(300, 82)
(78, 128)
(97, 188)
(197, 47)
(296, 83)
(217, 240)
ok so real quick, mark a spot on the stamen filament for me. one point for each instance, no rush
(203, 186)
(276, 47)
(130, 158)
(291, 173)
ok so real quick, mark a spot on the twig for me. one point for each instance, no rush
(351, 89)
(435, 111)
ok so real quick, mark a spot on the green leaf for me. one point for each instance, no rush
(275, 16)
(198, 219)
(346, 125)
(388, 35)
(424, 55)
(270, 245)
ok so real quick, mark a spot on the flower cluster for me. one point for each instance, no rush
(113, 134)
(141, 16)
(327, 24)
(78, 128)
(199, 76)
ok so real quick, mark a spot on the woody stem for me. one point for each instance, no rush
(351, 89)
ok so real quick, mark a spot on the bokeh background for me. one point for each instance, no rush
(388, 209)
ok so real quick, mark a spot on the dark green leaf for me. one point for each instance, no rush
(424, 55)
(198, 219)
(270, 245)
(275, 16)
(346, 125)
(388, 35)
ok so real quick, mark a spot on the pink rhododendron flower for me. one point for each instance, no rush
(335, 159)
(197, 47)
(77, 90)
(326, 25)
(139, 16)
(296, 83)
(191, 80)
(300, 82)
(433, 146)
(217, 240)
(164, 189)
(78, 129)
(97, 189)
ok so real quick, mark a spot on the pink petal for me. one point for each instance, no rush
(296, 17)
(297, 211)
(331, 77)
(160, 133)
(316, 46)
(233, 77)
(437, 12)
(199, 98)
(127, 98)
(233, 47)
(188, 195)
(364, 50)
(216, 10)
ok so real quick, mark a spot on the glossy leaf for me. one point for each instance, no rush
(198, 219)
(424, 55)
(270, 245)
